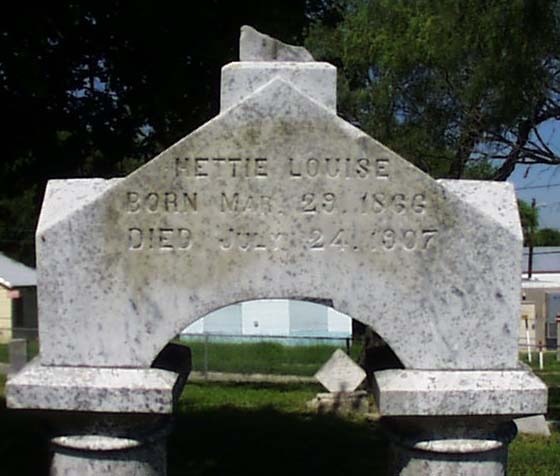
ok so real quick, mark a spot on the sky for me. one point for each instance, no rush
(542, 182)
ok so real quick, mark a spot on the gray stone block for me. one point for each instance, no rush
(256, 46)
(533, 425)
(93, 389)
(430, 393)
(316, 80)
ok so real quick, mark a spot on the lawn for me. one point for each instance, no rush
(32, 351)
(260, 357)
(551, 376)
(249, 429)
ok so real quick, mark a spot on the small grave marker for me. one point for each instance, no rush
(340, 373)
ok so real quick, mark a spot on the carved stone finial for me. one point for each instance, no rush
(256, 46)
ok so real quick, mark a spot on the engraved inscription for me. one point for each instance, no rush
(362, 168)
(379, 240)
(159, 238)
(204, 167)
(320, 212)
(155, 202)
(243, 240)
(236, 203)
(318, 202)
(397, 203)
(407, 239)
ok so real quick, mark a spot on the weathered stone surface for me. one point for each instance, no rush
(277, 197)
(340, 402)
(425, 393)
(256, 46)
(111, 444)
(533, 425)
(92, 389)
(449, 446)
(315, 80)
(340, 373)
(143, 461)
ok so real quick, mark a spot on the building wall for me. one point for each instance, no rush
(527, 325)
(18, 317)
(24, 313)
(538, 296)
(274, 317)
(5, 316)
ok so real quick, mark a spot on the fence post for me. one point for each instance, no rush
(558, 337)
(348, 346)
(17, 349)
(206, 356)
(528, 338)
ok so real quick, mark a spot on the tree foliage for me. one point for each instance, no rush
(529, 217)
(452, 83)
(547, 237)
(97, 88)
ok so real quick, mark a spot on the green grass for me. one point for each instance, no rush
(32, 351)
(260, 357)
(549, 361)
(280, 397)
(535, 456)
(254, 429)
(552, 380)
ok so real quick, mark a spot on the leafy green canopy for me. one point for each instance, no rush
(547, 237)
(529, 217)
(459, 87)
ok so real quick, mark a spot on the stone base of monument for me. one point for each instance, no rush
(426, 446)
(454, 422)
(341, 402)
(111, 421)
(112, 445)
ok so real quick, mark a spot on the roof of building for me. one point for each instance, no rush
(14, 274)
(541, 280)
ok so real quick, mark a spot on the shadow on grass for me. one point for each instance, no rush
(266, 441)
(222, 441)
(24, 448)
(553, 403)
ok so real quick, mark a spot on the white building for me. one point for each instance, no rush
(274, 318)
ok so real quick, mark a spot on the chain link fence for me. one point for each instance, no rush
(270, 355)
(267, 354)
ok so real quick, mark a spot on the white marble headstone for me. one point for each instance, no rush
(278, 197)
(340, 373)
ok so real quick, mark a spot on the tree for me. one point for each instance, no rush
(97, 88)
(451, 83)
(529, 216)
(547, 237)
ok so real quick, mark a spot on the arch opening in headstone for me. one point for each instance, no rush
(264, 336)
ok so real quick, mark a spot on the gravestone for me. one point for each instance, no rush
(340, 373)
(278, 197)
(341, 376)
(533, 425)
